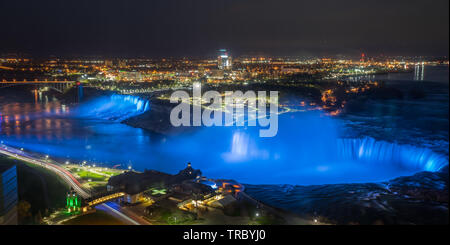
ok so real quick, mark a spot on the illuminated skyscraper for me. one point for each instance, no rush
(224, 60)
(8, 195)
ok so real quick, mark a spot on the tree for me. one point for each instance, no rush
(23, 210)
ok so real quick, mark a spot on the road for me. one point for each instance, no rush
(72, 182)
(107, 207)
(123, 213)
(64, 174)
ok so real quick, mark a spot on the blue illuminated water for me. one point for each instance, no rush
(115, 107)
(310, 148)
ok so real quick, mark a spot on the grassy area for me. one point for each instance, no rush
(167, 213)
(94, 179)
(41, 188)
(97, 187)
(86, 175)
(96, 184)
(175, 217)
(97, 218)
(111, 173)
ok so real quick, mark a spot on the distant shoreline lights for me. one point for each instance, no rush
(233, 105)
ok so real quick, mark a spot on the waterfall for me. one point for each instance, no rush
(141, 104)
(116, 107)
(406, 156)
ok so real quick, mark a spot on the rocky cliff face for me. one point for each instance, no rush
(157, 120)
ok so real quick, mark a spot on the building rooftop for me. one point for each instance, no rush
(224, 202)
(134, 182)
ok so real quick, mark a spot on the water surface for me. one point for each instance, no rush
(381, 140)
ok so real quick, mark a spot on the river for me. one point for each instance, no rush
(374, 141)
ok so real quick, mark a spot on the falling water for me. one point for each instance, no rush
(141, 104)
(381, 152)
(115, 107)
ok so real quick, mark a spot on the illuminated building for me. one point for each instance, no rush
(8, 195)
(135, 184)
(108, 63)
(129, 76)
(122, 63)
(224, 60)
(73, 203)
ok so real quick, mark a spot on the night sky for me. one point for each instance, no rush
(155, 28)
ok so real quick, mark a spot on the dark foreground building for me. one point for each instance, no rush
(134, 183)
(8, 195)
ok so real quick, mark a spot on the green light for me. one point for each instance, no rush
(73, 204)
(158, 192)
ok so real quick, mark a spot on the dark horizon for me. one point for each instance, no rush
(172, 28)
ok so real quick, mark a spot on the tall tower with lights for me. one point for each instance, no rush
(224, 60)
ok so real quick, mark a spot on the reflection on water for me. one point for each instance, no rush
(24, 120)
(419, 72)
